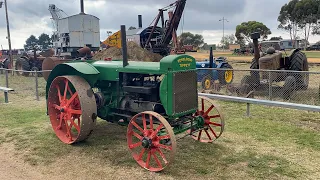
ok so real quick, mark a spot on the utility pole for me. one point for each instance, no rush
(223, 40)
(8, 31)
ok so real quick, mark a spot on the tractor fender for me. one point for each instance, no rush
(25, 57)
(82, 69)
(221, 64)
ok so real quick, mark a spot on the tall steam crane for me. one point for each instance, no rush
(169, 28)
(56, 14)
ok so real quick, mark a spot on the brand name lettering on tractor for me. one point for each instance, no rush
(186, 59)
(185, 62)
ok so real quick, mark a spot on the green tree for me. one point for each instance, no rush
(227, 40)
(316, 29)
(306, 13)
(245, 29)
(188, 38)
(31, 42)
(241, 42)
(288, 19)
(44, 41)
(276, 38)
(207, 46)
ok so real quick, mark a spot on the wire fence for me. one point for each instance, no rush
(302, 87)
(24, 83)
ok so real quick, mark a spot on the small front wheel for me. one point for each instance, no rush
(151, 141)
(213, 121)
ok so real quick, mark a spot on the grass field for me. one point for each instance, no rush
(273, 143)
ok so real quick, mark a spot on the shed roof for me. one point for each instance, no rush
(80, 15)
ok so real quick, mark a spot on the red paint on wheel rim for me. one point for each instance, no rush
(151, 151)
(213, 121)
(65, 112)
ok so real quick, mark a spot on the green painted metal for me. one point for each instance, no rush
(177, 63)
(83, 69)
(198, 123)
(105, 76)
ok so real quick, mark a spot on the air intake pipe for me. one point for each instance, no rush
(124, 45)
(140, 21)
(81, 7)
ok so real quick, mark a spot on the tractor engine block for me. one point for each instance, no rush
(141, 93)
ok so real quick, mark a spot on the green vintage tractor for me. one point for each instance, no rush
(155, 100)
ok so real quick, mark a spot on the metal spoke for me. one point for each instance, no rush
(144, 122)
(72, 111)
(215, 124)
(208, 134)
(162, 155)
(59, 93)
(211, 107)
(75, 125)
(202, 104)
(141, 153)
(215, 135)
(157, 160)
(132, 146)
(164, 137)
(72, 98)
(148, 159)
(151, 121)
(199, 136)
(137, 135)
(215, 116)
(65, 89)
(165, 147)
(137, 126)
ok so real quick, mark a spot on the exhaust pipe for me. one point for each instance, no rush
(124, 45)
(255, 36)
(211, 58)
(81, 7)
(140, 21)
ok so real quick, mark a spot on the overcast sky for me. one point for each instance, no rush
(200, 16)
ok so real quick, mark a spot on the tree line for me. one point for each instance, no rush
(299, 18)
(41, 43)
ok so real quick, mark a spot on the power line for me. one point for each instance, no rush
(223, 40)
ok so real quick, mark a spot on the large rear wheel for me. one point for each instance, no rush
(299, 62)
(72, 108)
(22, 65)
(225, 76)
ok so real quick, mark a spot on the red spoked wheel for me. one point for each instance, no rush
(151, 141)
(72, 108)
(213, 121)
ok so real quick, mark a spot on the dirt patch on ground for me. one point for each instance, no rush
(14, 168)
(135, 53)
(71, 167)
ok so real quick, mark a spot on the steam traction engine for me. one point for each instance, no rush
(155, 100)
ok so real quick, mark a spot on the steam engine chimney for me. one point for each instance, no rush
(82, 7)
(140, 21)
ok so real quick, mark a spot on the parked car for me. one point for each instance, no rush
(313, 48)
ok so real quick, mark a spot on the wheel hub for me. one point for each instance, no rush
(146, 142)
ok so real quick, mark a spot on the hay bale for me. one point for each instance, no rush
(135, 53)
